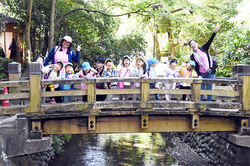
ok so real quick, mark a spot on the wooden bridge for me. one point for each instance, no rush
(229, 111)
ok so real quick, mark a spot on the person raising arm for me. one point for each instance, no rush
(63, 52)
(205, 66)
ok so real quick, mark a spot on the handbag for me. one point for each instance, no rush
(121, 84)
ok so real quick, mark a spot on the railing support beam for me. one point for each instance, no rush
(145, 89)
(14, 70)
(91, 91)
(35, 87)
(196, 90)
(246, 93)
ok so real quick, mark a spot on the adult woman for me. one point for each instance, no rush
(63, 52)
(205, 66)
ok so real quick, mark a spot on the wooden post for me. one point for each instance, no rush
(196, 90)
(91, 91)
(144, 90)
(35, 87)
(145, 100)
(14, 70)
(242, 72)
(246, 93)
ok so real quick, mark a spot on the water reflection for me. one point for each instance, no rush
(115, 149)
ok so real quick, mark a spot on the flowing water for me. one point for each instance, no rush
(114, 150)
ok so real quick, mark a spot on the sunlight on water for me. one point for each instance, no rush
(116, 149)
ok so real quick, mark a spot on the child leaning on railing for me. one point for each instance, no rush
(124, 70)
(152, 62)
(86, 72)
(68, 74)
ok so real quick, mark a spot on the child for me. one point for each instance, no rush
(110, 72)
(171, 72)
(68, 74)
(152, 62)
(86, 72)
(139, 72)
(100, 61)
(124, 71)
(52, 71)
(186, 72)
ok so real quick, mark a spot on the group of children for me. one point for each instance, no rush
(106, 68)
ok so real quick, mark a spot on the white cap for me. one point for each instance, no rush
(68, 39)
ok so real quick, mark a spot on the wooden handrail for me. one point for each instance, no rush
(229, 93)
(15, 96)
(135, 79)
(20, 83)
(25, 83)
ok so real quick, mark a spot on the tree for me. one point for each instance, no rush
(233, 48)
(93, 24)
(52, 25)
(28, 25)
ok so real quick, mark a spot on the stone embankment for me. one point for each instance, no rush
(214, 149)
(36, 159)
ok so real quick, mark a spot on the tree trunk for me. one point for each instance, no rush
(52, 25)
(33, 41)
(28, 25)
(45, 45)
(170, 39)
(157, 46)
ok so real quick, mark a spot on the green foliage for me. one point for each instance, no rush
(234, 49)
(95, 32)
(180, 21)
(59, 142)
(66, 137)
(4, 67)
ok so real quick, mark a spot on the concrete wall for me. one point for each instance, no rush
(15, 137)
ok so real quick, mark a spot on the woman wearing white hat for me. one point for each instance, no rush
(63, 52)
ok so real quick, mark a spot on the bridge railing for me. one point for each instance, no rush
(142, 100)
(236, 89)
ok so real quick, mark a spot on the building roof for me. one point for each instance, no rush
(8, 19)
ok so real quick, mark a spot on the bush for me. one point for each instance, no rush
(4, 67)
(59, 142)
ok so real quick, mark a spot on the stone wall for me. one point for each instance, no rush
(215, 149)
(36, 159)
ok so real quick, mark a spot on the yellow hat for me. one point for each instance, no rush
(108, 60)
(139, 58)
